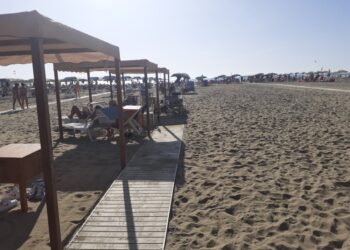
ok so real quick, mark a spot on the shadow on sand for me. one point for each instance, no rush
(16, 226)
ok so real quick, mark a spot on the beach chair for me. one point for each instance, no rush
(79, 126)
(174, 103)
(106, 118)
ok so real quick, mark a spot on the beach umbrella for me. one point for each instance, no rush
(106, 78)
(201, 78)
(69, 79)
(94, 78)
(181, 75)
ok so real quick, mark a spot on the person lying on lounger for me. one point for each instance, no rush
(85, 113)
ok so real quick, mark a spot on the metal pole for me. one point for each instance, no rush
(111, 85)
(46, 142)
(157, 93)
(58, 100)
(123, 79)
(89, 85)
(147, 102)
(122, 146)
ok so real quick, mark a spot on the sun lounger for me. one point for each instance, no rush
(79, 127)
(175, 103)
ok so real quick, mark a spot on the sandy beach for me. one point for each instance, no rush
(263, 168)
(84, 170)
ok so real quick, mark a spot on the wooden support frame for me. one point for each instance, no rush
(46, 142)
(124, 92)
(168, 82)
(157, 96)
(147, 103)
(47, 51)
(58, 101)
(89, 85)
(164, 82)
(111, 85)
(122, 144)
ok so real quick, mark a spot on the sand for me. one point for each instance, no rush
(84, 170)
(263, 168)
(339, 84)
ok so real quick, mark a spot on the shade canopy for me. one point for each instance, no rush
(60, 42)
(163, 70)
(127, 66)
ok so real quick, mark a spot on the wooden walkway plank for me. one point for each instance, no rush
(124, 229)
(134, 211)
(101, 246)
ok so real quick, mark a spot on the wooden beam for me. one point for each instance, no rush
(147, 102)
(89, 85)
(58, 100)
(111, 85)
(164, 82)
(46, 143)
(18, 42)
(124, 92)
(46, 51)
(122, 146)
(169, 84)
(157, 93)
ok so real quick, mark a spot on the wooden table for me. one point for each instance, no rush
(18, 164)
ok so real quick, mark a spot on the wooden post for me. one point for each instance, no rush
(58, 100)
(89, 85)
(168, 82)
(111, 85)
(122, 146)
(147, 102)
(123, 79)
(157, 93)
(164, 82)
(46, 142)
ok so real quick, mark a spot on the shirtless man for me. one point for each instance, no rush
(15, 97)
(23, 95)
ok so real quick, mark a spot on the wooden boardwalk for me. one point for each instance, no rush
(134, 212)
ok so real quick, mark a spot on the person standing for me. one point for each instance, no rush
(15, 96)
(77, 90)
(23, 95)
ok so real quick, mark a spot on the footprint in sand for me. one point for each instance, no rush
(284, 226)
(230, 210)
(211, 243)
(229, 233)
(342, 183)
(79, 195)
(235, 197)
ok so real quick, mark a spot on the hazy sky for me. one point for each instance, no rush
(208, 37)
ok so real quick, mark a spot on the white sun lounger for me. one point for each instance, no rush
(82, 127)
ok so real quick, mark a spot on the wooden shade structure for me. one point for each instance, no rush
(29, 37)
(138, 67)
(142, 66)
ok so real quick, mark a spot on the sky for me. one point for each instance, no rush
(210, 37)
